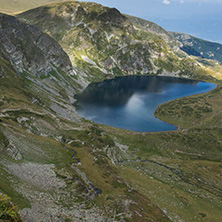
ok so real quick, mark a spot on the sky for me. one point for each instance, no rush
(201, 18)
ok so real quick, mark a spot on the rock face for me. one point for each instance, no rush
(29, 50)
(38, 58)
(101, 41)
(114, 18)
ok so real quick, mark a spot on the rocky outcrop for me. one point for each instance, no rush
(30, 50)
(113, 18)
(40, 62)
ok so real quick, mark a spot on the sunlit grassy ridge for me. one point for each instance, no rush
(21, 5)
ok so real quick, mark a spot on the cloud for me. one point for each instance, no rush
(181, 1)
(166, 2)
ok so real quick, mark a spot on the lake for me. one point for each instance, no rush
(129, 102)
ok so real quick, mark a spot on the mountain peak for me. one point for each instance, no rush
(112, 15)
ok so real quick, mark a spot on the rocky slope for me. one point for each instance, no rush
(40, 61)
(29, 50)
(199, 47)
(39, 131)
(104, 42)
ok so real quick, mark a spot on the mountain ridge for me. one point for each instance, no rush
(104, 48)
(199, 47)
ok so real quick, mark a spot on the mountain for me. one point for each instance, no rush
(103, 42)
(57, 166)
(198, 47)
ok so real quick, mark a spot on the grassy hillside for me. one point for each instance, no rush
(16, 6)
(36, 152)
(138, 173)
(156, 30)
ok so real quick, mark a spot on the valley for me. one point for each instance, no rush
(57, 166)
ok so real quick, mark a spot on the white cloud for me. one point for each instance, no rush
(166, 2)
(181, 1)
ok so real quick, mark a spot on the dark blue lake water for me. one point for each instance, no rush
(129, 102)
